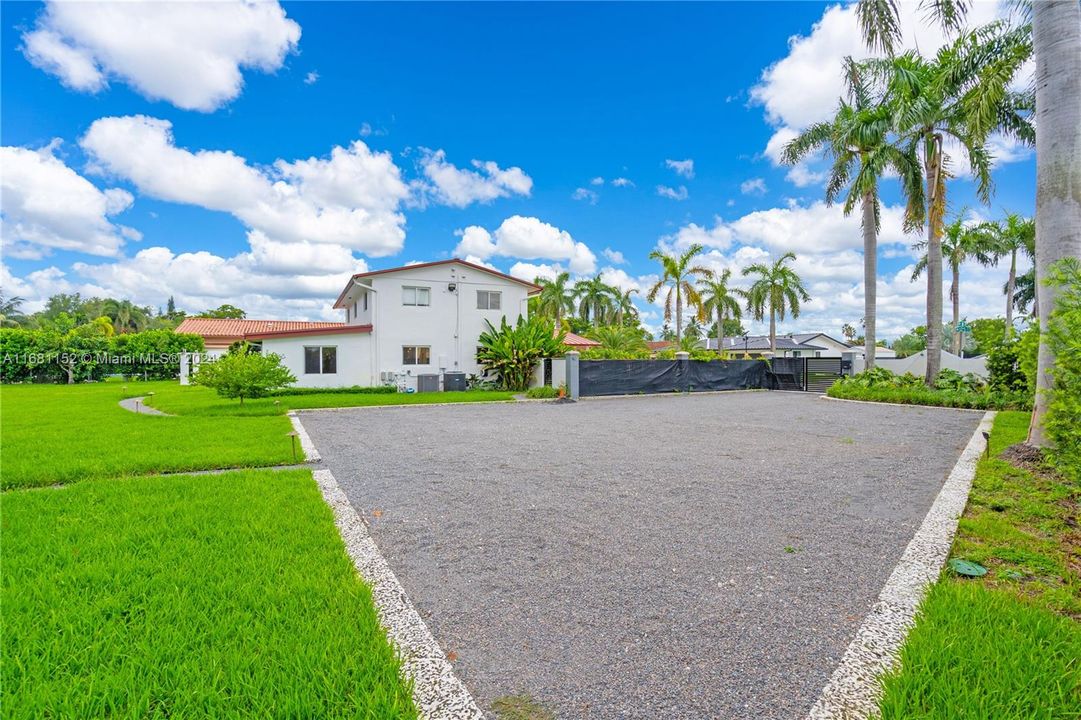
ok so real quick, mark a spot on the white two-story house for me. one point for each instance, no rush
(402, 326)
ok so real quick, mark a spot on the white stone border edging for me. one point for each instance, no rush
(855, 686)
(437, 691)
(904, 405)
(310, 453)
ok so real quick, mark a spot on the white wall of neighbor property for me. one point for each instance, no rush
(450, 325)
(559, 373)
(917, 364)
(354, 366)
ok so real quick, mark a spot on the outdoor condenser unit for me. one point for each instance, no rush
(427, 382)
(454, 381)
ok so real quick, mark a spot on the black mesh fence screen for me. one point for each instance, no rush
(631, 377)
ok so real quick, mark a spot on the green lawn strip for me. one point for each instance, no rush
(62, 433)
(188, 596)
(199, 401)
(1008, 644)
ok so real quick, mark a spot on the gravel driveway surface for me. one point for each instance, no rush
(701, 556)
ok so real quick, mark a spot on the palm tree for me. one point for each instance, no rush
(1025, 294)
(596, 299)
(677, 274)
(625, 306)
(959, 243)
(1056, 34)
(1012, 235)
(963, 93)
(718, 298)
(555, 298)
(10, 313)
(126, 316)
(778, 290)
(618, 338)
(858, 141)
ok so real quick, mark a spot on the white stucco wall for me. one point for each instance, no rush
(354, 365)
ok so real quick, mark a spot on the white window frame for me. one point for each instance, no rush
(487, 295)
(321, 348)
(416, 291)
(416, 354)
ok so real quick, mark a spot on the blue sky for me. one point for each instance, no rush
(107, 190)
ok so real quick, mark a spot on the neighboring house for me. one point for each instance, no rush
(401, 323)
(576, 342)
(658, 345)
(796, 345)
(219, 334)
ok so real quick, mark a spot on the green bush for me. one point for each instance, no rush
(512, 351)
(1004, 372)
(244, 375)
(952, 389)
(601, 353)
(1063, 420)
(542, 392)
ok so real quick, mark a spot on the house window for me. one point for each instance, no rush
(354, 311)
(489, 299)
(418, 296)
(416, 355)
(795, 353)
(320, 359)
(365, 296)
(818, 353)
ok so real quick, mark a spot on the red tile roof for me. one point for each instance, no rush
(577, 341)
(660, 344)
(227, 330)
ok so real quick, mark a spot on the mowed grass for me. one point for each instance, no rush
(199, 401)
(218, 596)
(62, 433)
(1007, 645)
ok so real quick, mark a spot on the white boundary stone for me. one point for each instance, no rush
(854, 689)
(310, 453)
(437, 691)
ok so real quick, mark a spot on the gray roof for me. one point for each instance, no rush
(804, 337)
(761, 342)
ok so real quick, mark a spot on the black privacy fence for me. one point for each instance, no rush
(632, 377)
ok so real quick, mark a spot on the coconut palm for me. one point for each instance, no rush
(625, 306)
(959, 243)
(677, 275)
(1024, 294)
(596, 299)
(1056, 34)
(618, 338)
(961, 94)
(126, 316)
(777, 291)
(859, 143)
(555, 299)
(719, 299)
(10, 313)
(1011, 235)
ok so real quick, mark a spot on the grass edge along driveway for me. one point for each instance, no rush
(189, 596)
(1007, 645)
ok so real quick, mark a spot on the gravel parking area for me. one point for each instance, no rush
(697, 556)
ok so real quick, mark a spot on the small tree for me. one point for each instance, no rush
(244, 375)
(512, 351)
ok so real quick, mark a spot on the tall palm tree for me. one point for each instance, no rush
(1024, 294)
(618, 338)
(963, 94)
(555, 298)
(10, 313)
(126, 316)
(959, 243)
(718, 298)
(1011, 235)
(596, 299)
(625, 306)
(1056, 34)
(677, 275)
(859, 142)
(777, 291)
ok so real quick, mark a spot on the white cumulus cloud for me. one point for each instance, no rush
(454, 186)
(527, 238)
(683, 168)
(754, 186)
(190, 54)
(672, 193)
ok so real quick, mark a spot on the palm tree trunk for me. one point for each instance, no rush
(720, 331)
(870, 279)
(955, 297)
(1056, 34)
(679, 317)
(772, 332)
(1009, 295)
(936, 206)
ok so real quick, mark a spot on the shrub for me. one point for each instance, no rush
(1063, 420)
(244, 375)
(512, 351)
(601, 353)
(542, 392)
(1004, 371)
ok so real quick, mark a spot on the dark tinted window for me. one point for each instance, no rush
(330, 360)
(311, 360)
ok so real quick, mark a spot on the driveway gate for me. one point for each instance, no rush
(809, 374)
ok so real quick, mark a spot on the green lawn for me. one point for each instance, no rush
(188, 597)
(199, 401)
(62, 433)
(1008, 645)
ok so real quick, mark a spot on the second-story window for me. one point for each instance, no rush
(489, 300)
(416, 296)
